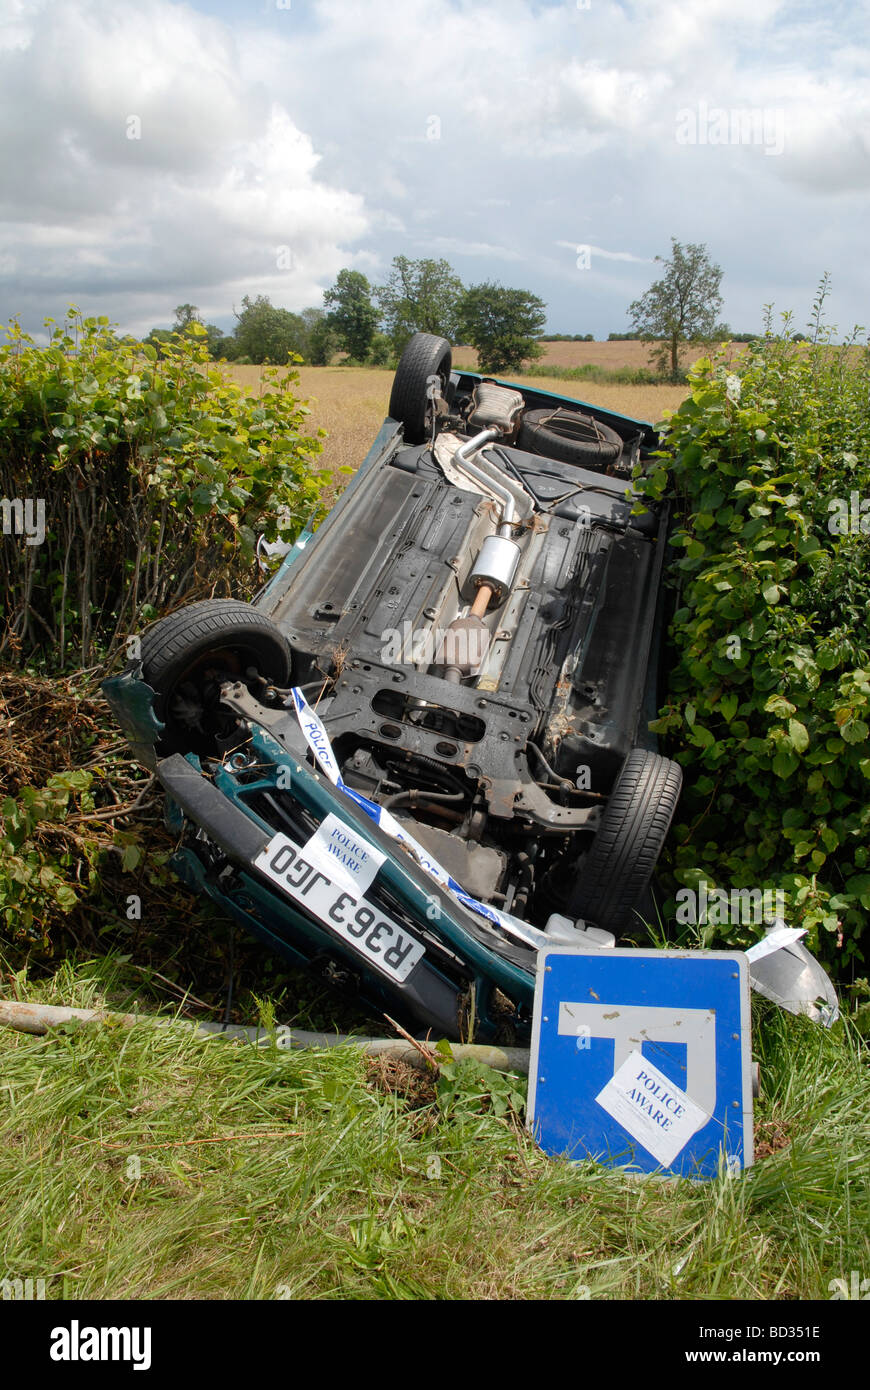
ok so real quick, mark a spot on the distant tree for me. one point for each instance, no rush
(310, 319)
(381, 351)
(221, 344)
(264, 333)
(352, 315)
(160, 338)
(502, 324)
(215, 339)
(682, 307)
(185, 315)
(322, 342)
(419, 297)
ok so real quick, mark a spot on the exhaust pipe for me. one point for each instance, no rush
(466, 640)
(494, 481)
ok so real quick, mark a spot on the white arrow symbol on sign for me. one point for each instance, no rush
(630, 1026)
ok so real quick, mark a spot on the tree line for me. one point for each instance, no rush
(370, 324)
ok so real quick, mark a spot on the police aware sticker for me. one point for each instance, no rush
(337, 849)
(655, 1112)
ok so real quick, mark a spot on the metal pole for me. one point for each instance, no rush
(39, 1018)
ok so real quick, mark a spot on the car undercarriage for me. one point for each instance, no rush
(484, 680)
(437, 707)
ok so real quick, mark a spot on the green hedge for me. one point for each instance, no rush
(768, 463)
(155, 476)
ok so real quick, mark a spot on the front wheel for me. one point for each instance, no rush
(187, 656)
(616, 872)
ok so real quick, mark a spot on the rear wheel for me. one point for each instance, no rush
(187, 656)
(423, 372)
(616, 872)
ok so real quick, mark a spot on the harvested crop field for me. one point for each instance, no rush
(610, 355)
(350, 402)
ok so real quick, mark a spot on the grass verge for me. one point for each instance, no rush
(145, 1163)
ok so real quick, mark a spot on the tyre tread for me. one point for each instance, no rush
(421, 359)
(629, 840)
(537, 439)
(166, 640)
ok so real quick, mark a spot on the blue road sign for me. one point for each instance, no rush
(641, 1059)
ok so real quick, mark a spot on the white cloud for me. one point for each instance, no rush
(311, 128)
(458, 246)
(217, 180)
(600, 251)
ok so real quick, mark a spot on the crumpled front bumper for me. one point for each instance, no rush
(457, 955)
(460, 953)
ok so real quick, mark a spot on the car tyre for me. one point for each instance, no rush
(617, 870)
(572, 438)
(426, 356)
(180, 653)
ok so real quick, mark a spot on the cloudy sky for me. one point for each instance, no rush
(160, 152)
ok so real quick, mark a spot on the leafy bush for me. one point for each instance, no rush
(155, 476)
(381, 352)
(38, 850)
(468, 1087)
(769, 694)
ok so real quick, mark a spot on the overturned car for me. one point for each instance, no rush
(422, 753)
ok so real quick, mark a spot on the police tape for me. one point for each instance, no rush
(318, 741)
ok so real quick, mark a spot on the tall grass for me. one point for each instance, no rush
(590, 371)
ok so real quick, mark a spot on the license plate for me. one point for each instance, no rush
(305, 875)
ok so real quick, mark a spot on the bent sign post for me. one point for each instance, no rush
(641, 1059)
